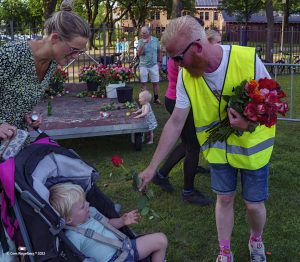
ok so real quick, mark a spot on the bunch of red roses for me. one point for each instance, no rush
(258, 101)
(143, 202)
(265, 102)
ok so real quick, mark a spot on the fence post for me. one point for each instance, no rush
(11, 24)
(104, 42)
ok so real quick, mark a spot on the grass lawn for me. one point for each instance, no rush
(191, 229)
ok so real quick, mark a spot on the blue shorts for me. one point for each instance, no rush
(254, 182)
(132, 256)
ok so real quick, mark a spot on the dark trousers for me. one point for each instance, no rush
(188, 148)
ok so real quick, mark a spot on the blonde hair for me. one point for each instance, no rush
(66, 23)
(186, 27)
(213, 36)
(146, 94)
(63, 196)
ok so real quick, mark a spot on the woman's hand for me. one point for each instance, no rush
(7, 131)
(34, 120)
(132, 217)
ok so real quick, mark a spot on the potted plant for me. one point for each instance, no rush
(57, 81)
(118, 76)
(89, 75)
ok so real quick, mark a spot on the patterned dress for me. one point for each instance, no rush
(20, 87)
(150, 118)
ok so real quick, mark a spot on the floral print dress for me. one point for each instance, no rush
(20, 87)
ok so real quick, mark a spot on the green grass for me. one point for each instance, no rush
(191, 229)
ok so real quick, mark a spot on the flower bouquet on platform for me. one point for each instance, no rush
(258, 101)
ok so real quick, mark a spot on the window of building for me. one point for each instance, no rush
(157, 15)
(216, 15)
(201, 15)
(206, 15)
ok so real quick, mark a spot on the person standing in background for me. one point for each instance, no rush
(135, 45)
(150, 55)
(125, 50)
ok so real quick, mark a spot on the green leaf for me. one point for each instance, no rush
(145, 211)
(142, 202)
(136, 181)
(151, 217)
(150, 193)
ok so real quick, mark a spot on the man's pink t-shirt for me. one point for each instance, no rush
(173, 70)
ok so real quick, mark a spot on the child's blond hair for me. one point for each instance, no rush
(63, 196)
(146, 94)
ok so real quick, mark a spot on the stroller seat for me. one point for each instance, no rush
(37, 167)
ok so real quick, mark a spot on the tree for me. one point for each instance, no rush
(176, 8)
(15, 13)
(243, 9)
(49, 7)
(270, 28)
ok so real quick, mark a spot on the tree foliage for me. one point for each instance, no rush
(242, 9)
(15, 11)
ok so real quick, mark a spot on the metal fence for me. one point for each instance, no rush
(286, 66)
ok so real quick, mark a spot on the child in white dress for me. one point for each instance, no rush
(146, 111)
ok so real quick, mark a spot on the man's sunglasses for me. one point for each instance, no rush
(179, 58)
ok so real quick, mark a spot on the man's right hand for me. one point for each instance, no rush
(7, 131)
(146, 176)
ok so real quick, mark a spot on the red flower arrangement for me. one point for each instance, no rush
(258, 101)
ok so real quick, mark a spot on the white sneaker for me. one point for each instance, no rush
(222, 258)
(257, 251)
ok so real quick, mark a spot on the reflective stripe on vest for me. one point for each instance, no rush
(249, 151)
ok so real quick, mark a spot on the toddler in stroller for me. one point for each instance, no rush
(96, 236)
(33, 171)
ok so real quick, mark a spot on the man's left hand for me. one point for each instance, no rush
(237, 121)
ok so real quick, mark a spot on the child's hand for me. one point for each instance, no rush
(135, 112)
(136, 116)
(131, 218)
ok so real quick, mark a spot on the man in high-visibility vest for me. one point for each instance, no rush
(208, 72)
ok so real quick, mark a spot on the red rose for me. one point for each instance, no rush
(271, 120)
(117, 161)
(257, 96)
(261, 109)
(281, 94)
(267, 83)
(251, 86)
(282, 108)
(250, 112)
(271, 98)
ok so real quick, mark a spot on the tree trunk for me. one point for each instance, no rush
(49, 7)
(176, 9)
(270, 28)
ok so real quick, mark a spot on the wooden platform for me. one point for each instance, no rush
(74, 117)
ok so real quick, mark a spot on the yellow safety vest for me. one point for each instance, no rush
(249, 151)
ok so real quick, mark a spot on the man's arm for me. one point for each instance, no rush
(140, 49)
(167, 140)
